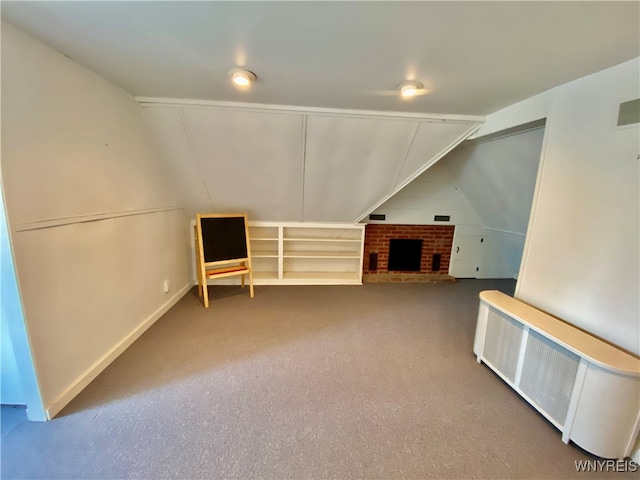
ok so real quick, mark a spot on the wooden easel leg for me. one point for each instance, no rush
(250, 282)
(205, 291)
(242, 281)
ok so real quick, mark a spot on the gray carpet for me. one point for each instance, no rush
(377, 381)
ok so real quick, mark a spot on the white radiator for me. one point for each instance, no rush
(587, 388)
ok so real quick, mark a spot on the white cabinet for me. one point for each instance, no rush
(585, 387)
(305, 253)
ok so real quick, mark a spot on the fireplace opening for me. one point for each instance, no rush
(404, 255)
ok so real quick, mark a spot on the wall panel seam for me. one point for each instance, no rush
(59, 222)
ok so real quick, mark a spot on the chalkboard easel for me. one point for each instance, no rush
(222, 249)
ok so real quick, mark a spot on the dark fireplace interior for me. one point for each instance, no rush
(404, 255)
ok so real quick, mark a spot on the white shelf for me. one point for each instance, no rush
(316, 239)
(321, 255)
(308, 253)
(322, 278)
(259, 254)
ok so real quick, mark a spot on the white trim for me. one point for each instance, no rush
(576, 394)
(186, 102)
(94, 370)
(534, 201)
(523, 350)
(505, 231)
(58, 222)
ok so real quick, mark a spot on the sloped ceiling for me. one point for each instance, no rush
(295, 165)
(498, 177)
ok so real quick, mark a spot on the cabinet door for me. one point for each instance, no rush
(466, 256)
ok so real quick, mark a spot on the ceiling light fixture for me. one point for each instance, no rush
(241, 77)
(409, 89)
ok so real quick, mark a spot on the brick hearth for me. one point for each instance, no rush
(435, 239)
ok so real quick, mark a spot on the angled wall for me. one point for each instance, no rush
(95, 227)
(295, 164)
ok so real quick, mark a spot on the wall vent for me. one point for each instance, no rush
(548, 374)
(373, 262)
(377, 216)
(502, 343)
(442, 218)
(435, 263)
(629, 112)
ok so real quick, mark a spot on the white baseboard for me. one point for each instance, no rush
(94, 370)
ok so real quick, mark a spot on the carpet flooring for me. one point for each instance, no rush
(301, 382)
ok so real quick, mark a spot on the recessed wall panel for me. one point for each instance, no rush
(350, 164)
(432, 139)
(250, 161)
(168, 130)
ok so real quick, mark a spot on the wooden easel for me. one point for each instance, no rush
(222, 249)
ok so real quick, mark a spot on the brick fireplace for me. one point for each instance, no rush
(435, 254)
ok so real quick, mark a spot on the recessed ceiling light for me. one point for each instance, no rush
(409, 89)
(241, 78)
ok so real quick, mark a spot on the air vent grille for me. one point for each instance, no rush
(502, 343)
(548, 374)
(629, 113)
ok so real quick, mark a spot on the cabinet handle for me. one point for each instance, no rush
(457, 249)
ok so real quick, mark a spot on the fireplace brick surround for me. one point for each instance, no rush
(435, 239)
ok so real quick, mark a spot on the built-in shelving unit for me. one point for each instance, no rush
(305, 253)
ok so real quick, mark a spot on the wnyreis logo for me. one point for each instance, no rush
(606, 466)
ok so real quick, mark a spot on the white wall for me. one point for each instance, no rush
(94, 222)
(581, 260)
(498, 177)
(280, 163)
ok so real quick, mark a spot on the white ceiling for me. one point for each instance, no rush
(473, 57)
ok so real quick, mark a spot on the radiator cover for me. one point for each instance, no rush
(585, 387)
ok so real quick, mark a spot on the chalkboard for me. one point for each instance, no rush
(223, 238)
(222, 249)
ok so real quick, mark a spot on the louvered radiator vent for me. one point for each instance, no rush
(585, 387)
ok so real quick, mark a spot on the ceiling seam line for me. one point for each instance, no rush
(406, 155)
(193, 154)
